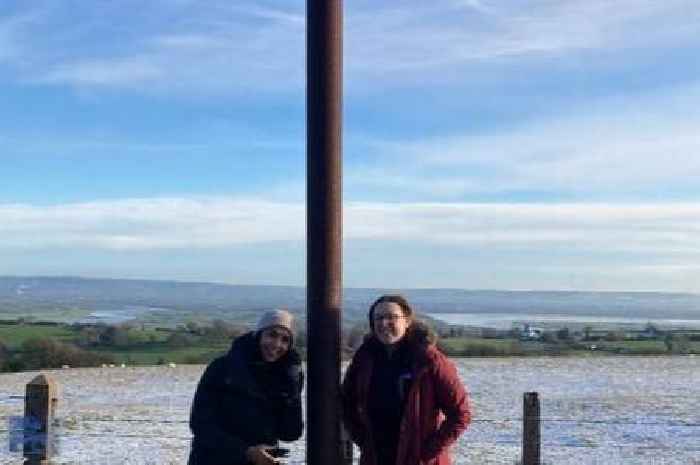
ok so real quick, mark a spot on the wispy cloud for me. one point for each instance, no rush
(428, 41)
(117, 72)
(218, 49)
(224, 48)
(618, 146)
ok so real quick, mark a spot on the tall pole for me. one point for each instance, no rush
(323, 228)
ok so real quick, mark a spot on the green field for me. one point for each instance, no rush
(161, 353)
(137, 346)
(475, 347)
(143, 347)
(14, 335)
(648, 347)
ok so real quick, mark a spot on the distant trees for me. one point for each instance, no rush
(3, 354)
(564, 334)
(179, 339)
(220, 330)
(88, 336)
(113, 336)
(617, 335)
(677, 344)
(37, 353)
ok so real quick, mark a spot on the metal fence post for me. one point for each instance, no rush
(39, 407)
(531, 429)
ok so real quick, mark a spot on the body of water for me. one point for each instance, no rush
(124, 315)
(507, 320)
(595, 411)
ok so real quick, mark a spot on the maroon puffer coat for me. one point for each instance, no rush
(436, 410)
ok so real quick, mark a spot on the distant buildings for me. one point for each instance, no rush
(530, 333)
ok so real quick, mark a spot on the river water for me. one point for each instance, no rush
(597, 411)
(508, 320)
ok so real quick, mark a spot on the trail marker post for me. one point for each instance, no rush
(531, 429)
(39, 407)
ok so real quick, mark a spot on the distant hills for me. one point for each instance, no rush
(48, 295)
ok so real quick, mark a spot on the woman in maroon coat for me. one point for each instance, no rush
(403, 401)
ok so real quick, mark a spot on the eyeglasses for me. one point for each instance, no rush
(390, 317)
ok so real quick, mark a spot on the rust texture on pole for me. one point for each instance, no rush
(39, 406)
(324, 228)
(531, 429)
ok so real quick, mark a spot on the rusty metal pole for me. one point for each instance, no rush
(324, 228)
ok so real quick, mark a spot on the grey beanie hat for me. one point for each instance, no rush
(277, 317)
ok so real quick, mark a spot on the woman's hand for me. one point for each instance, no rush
(257, 455)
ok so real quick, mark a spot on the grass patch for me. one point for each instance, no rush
(634, 347)
(154, 354)
(14, 335)
(477, 347)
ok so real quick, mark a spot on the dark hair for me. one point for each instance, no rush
(390, 298)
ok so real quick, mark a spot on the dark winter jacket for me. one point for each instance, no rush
(435, 410)
(242, 401)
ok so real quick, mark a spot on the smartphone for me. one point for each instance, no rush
(278, 452)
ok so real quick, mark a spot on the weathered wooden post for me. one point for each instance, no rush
(39, 407)
(531, 429)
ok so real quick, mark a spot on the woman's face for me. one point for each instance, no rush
(274, 343)
(389, 322)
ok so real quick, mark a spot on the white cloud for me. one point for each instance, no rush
(517, 246)
(275, 14)
(150, 224)
(219, 222)
(617, 146)
(117, 72)
(673, 228)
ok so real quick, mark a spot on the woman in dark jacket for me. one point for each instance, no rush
(250, 398)
(402, 399)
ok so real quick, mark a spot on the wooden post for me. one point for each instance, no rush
(531, 429)
(39, 406)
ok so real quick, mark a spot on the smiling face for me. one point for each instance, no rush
(389, 323)
(274, 343)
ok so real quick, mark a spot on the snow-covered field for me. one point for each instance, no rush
(617, 410)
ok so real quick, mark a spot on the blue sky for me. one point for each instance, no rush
(487, 144)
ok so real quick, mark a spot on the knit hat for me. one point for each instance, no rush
(276, 317)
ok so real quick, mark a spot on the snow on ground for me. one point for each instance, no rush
(595, 411)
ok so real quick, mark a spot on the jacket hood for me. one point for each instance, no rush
(420, 334)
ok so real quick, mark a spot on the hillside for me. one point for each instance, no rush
(66, 298)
